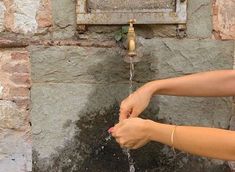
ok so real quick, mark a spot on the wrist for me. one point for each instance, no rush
(153, 87)
(150, 129)
(159, 132)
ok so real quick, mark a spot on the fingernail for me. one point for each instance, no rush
(110, 130)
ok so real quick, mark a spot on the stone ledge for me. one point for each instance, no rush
(21, 43)
(8, 43)
(81, 43)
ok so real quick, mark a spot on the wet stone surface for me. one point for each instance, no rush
(92, 150)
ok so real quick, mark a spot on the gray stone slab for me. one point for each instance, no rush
(199, 23)
(161, 58)
(172, 57)
(209, 112)
(55, 105)
(58, 113)
(64, 19)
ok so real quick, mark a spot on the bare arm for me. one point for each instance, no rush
(215, 143)
(208, 142)
(215, 83)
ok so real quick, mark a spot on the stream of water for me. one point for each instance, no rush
(127, 151)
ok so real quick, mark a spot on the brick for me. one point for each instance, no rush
(21, 79)
(19, 68)
(15, 80)
(19, 92)
(20, 56)
(22, 103)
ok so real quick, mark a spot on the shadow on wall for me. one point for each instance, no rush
(90, 150)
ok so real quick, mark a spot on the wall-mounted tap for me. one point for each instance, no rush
(131, 38)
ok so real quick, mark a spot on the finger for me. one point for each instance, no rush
(117, 140)
(129, 146)
(124, 114)
(135, 146)
(115, 129)
(114, 134)
(110, 130)
(134, 113)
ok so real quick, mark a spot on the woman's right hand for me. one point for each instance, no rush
(136, 102)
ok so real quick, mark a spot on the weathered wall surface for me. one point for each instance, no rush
(224, 19)
(78, 81)
(27, 16)
(15, 132)
(88, 80)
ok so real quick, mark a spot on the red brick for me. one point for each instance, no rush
(19, 92)
(21, 79)
(22, 103)
(20, 56)
(18, 68)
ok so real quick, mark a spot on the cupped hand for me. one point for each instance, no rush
(131, 133)
(135, 103)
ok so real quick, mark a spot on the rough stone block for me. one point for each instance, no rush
(199, 23)
(224, 19)
(162, 58)
(49, 114)
(15, 152)
(21, 16)
(25, 17)
(232, 123)
(2, 10)
(44, 14)
(67, 134)
(209, 112)
(11, 117)
(64, 18)
(172, 57)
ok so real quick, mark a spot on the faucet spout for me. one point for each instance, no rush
(131, 37)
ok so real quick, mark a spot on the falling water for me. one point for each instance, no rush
(125, 150)
(132, 70)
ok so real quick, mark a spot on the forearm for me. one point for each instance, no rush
(208, 142)
(215, 83)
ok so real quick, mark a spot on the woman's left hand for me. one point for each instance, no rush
(131, 133)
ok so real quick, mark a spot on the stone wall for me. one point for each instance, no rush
(15, 130)
(78, 81)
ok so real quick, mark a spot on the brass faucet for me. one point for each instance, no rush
(131, 37)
